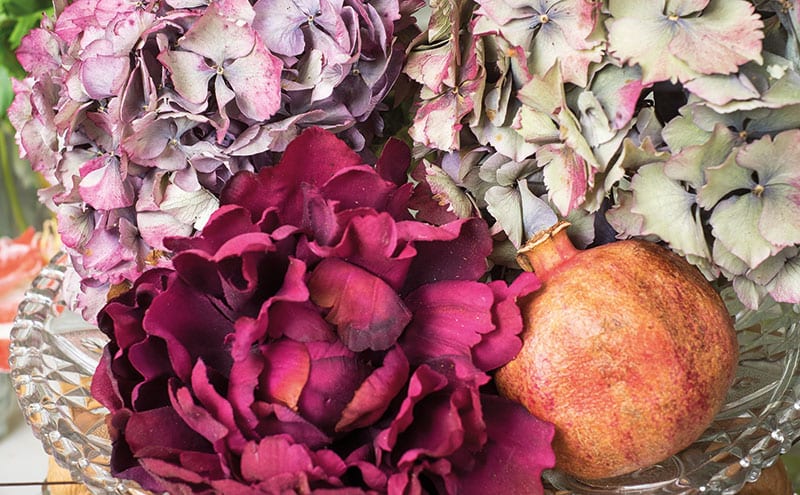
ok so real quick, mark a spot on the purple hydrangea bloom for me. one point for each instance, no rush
(334, 345)
(138, 112)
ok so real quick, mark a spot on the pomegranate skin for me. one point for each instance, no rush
(628, 351)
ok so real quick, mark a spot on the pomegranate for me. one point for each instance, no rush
(627, 350)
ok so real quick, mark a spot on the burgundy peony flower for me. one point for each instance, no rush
(315, 337)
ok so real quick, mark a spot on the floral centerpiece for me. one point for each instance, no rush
(337, 191)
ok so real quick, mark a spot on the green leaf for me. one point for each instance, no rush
(6, 90)
(22, 27)
(21, 8)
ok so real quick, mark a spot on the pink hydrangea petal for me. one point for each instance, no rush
(256, 79)
(103, 186)
(104, 76)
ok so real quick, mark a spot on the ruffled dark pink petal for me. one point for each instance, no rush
(316, 338)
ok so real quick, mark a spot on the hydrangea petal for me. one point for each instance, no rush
(679, 45)
(256, 81)
(190, 74)
(734, 223)
(667, 210)
(103, 185)
(786, 286)
(218, 38)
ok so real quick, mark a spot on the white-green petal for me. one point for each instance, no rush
(689, 165)
(775, 160)
(505, 205)
(683, 131)
(723, 179)
(565, 175)
(729, 263)
(786, 285)
(667, 210)
(191, 208)
(749, 293)
(780, 221)
(537, 215)
(536, 127)
(734, 223)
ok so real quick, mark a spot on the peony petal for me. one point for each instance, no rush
(367, 312)
(502, 344)
(335, 376)
(197, 417)
(449, 319)
(161, 433)
(376, 393)
(287, 368)
(517, 452)
(454, 251)
(274, 456)
(190, 335)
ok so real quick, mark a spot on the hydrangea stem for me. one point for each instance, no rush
(9, 181)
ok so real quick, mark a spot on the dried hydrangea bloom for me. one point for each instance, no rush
(679, 41)
(334, 344)
(137, 113)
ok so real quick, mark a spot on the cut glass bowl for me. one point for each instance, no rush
(54, 353)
